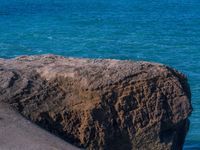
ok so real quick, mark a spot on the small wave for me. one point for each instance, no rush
(50, 37)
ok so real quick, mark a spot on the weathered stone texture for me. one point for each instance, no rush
(100, 104)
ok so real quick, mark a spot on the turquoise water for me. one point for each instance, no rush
(165, 31)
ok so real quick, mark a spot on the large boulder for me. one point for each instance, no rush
(100, 104)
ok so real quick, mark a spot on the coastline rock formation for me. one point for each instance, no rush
(100, 104)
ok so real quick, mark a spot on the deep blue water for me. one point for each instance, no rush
(164, 31)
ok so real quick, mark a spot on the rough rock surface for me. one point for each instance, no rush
(100, 104)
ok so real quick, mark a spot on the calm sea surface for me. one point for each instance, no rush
(164, 31)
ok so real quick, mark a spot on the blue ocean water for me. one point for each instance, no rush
(164, 31)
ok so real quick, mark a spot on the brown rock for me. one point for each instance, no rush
(100, 104)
